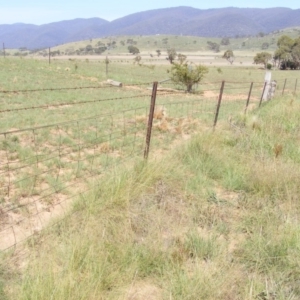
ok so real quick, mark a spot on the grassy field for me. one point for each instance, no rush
(224, 203)
(196, 48)
(216, 218)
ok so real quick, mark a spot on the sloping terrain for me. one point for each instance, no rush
(174, 21)
(48, 35)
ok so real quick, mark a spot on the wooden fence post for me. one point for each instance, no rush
(219, 104)
(296, 84)
(284, 87)
(150, 120)
(106, 66)
(262, 95)
(249, 96)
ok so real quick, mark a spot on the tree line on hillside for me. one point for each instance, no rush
(287, 55)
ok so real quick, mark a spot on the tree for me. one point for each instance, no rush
(213, 46)
(181, 58)
(100, 50)
(158, 52)
(265, 46)
(225, 41)
(89, 48)
(296, 52)
(229, 56)
(137, 59)
(171, 55)
(285, 42)
(262, 58)
(187, 74)
(287, 56)
(133, 50)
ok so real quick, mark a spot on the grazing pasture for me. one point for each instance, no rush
(212, 215)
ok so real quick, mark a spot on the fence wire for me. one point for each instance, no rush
(107, 86)
(43, 168)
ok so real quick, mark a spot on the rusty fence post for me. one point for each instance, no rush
(296, 84)
(249, 96)
(284, 87)
(150, 119)
(219, 104)
(262, 95)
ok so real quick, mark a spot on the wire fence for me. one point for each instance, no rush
(43, 168)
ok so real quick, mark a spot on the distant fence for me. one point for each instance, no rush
(43, 168)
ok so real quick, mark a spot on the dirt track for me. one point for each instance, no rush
(199, 58)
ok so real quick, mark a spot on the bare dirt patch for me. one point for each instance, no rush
(142, 291)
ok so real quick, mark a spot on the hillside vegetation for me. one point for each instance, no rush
(154, 48)
(216, 218)
(221, 22)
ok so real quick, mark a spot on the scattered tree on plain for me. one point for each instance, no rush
(225, 41)
(262, 58)
(265, 46)
(213, 46)
(181, 58)
(131, 42)
(133, 50)
(165, 41)
(137, 59)
(171, 55)
(89, 48)
(229, 56)
(100, 50)
(187, 74)
(158, 52)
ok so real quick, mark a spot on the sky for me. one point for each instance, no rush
(46, 11)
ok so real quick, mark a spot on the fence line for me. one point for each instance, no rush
(116, 98)
(68, 104)
(44, 167)
(107, 86)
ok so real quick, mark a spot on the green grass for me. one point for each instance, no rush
(182, 43)
(216, 218)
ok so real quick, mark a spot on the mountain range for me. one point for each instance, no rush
(221, 22)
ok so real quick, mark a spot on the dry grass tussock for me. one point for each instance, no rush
(216, 219)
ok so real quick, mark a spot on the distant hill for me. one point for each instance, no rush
(220, 22)
(48, 35)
